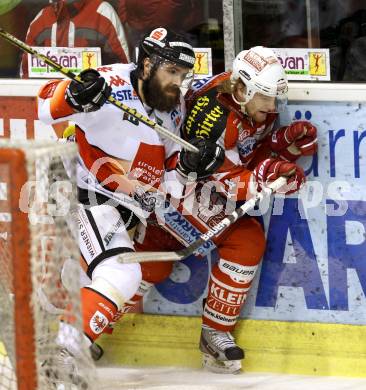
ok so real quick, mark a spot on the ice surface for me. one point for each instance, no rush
(181, 379)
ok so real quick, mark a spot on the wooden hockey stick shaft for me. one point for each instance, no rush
(142, 257)
(66, 72)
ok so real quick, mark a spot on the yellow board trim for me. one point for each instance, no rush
(270, 346)
(2, 349)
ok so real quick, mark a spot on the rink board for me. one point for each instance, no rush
(270, 346)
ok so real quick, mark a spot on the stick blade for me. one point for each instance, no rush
(144, 257)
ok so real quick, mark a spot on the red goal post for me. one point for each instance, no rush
(36, 241)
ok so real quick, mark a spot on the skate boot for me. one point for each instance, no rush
(61, 372)
(220, 353)
(96, 351)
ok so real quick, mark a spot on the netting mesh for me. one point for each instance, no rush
(44, 242)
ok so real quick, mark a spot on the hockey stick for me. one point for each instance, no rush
(142, 257)
(146, 121)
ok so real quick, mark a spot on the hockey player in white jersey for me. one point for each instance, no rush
(122, 158)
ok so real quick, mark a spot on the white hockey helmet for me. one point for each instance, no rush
(260, 70)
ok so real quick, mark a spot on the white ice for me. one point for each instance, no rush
(181, 379)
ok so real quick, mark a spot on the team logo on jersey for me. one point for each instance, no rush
(243, 133)
(247, 146)
(98, 322)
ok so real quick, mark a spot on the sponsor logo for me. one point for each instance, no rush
(257, 61)
(247, 146)
(84, 235)
(186, 231)
(293, 63)
(238, 270)
(187, 58)
(202, 64)
(211, 118)
(109, 236)
(176, 117)
(243, 133)
(65, 60)
(159, 34)
(222, 307)
(87, 241)
(229, 297)
(317, 65)
(148, 164)
(89, 59)
(219, 316)
(98, 322)
(124, 94)
(106, 308)
(216, 229)
(117, 81)
(204, 127)
(104, 69)
(199, 105)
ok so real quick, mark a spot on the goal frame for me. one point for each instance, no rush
(25, 362)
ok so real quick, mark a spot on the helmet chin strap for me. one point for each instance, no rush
(241, 104)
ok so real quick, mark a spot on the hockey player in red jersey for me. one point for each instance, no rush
(238, 111)
(122, 163)
(78, 23)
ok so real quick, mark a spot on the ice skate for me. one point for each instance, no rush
(62, 373)
(96, 351)
(220, 353)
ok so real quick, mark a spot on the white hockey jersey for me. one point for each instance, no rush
(109, 136)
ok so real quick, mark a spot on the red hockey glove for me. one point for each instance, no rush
(271, 169)
(297, 139)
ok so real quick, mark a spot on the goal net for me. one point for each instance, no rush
(39, 272)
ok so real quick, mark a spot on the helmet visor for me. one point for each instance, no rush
(180, 75)
(281, 103)
(268, 104)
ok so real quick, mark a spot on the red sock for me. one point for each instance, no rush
(98, 312)
(224, 301)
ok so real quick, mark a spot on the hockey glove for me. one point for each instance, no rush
(89, 95)
(204, 163)
(295, 140)
(271, 169)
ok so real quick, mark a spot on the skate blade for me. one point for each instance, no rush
(221, 367)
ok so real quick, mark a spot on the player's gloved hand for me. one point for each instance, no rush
(89, 95)
(271, 169)
(297, 139)
(209, 158)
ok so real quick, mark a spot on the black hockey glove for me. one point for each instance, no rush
(209, 158)
(89, 95)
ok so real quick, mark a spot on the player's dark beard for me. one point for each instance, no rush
(157, 97)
